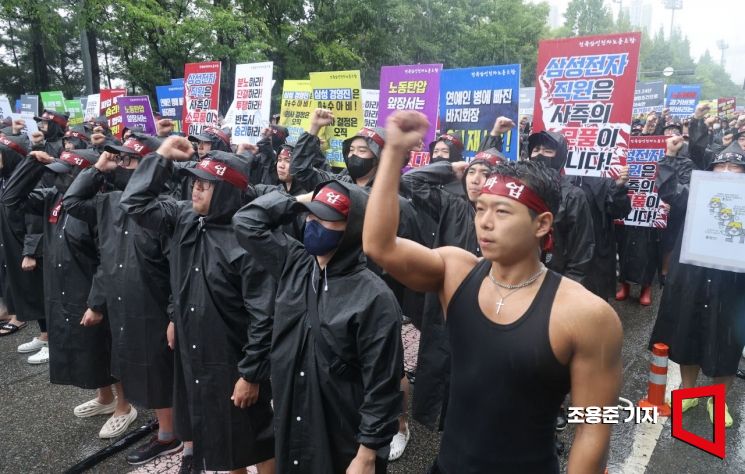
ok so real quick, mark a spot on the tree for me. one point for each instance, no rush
(587, 17)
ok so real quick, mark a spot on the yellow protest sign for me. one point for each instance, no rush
(339, 91)
(297, 105)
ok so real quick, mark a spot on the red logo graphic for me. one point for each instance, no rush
(715, 447)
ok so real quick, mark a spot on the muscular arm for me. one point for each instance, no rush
(596, 377)
(414, 265)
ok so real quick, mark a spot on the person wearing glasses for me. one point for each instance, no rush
(223, 302)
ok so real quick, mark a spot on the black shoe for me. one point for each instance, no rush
(152, 449)
(561, 421)
(740, 373)
(187, 465)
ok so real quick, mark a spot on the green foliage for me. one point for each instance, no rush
(147, 42)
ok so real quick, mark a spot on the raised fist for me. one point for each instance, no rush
(405, 129)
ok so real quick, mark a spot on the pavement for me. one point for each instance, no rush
(40, 434)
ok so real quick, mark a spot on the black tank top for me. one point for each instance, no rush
(506, 386)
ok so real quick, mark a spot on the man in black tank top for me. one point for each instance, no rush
(522, 337)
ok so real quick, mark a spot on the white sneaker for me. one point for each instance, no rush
(41, 357)
(117, 425)
(743, 353)
(398, 444)
(93, 407)
(32, 346)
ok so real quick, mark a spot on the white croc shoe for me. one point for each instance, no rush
(41, 357)
(93, 408)
(32, 346)
(398, 444)
(117, 425)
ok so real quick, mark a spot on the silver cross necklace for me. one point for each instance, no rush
(515, 287)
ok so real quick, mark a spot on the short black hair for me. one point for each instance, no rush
(540, 179)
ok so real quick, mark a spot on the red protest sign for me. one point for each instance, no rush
(110, 109)
(585, 91)
(201, 96)
(647, 210)
(726, 106)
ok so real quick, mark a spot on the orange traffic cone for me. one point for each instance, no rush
(657, 381)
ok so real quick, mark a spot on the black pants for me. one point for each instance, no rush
(42, 325)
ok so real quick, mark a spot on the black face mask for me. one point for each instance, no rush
(439, 159)
(63, 181)
(360, 167)
(548, 161)
(120, 177)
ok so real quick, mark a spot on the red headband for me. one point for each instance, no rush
(79, 135)
(73, 159)
(13, 146)
(490, 158)
(137, 146)
(334, 199)
(372, 135)
(221, 170)
(59, 120)
(447, 137)
(513, 188)
(218, 133)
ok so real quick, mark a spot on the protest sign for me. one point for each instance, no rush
(417, 159)
(338, 91)
(201, 96)
(647, 210)
(726, 107)
(471, 99)
(585, 90)
(714, 236)
(252, 100)
(648, 97)
(682, 99)
(92, 110)
(110, 109)
(5, 109)
(412, 87)
(30, 105)
(297, 105)
(370, 99)
(53, 100)
(136, 112)
(171, 103)
(527, 101)
(75, 109)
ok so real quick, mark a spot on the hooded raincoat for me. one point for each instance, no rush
(78, 355)
(20, 236)
(133, 278)
(223, 301)
(322, 415)
(700, 314)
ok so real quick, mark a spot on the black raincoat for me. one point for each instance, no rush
(639, 254)
(134, 277)
(608, 202)
(20, 236)
(454, 216)
(223, 302)
(700, 314)
(78, 355)
(574, 237)
(322, 415)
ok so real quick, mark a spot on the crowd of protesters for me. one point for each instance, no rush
(254, 297)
